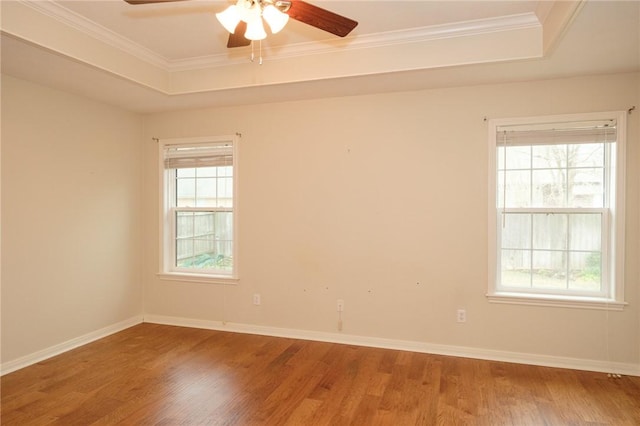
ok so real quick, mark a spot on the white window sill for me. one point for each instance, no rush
(198, 278)
(556, 301)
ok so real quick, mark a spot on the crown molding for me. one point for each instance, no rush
(557, 21)
(74, 20)
(371, 41)
(472, 28)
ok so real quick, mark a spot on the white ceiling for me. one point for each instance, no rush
(188, 29)
(159, 57)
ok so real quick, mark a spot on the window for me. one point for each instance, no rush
(556, 212)
(198, 207)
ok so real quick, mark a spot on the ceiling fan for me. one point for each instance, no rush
(244, 19)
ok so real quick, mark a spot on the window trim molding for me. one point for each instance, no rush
(556, 301)
(198, 278)
(616, 245)
(165, 219)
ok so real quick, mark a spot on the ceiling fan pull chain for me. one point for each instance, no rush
(260, 52)
(252, 55)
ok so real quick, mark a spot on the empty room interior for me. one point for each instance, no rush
(323, 212)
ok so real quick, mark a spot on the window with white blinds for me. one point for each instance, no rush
(557, 209)
(199, 208)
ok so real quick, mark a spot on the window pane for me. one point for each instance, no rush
(549, 269)
(549, 188)
(184, 224)
(585, 231)
(212, 187)
(204, 248)
(516, 268)
(500, 185)
(586, 155)
(516, 232)
(207, 171)
(550, 231)
(586, 271)
(185, 192)
(549, 156)
(225, 192)
(225, 171)
(184, 251)
(203, 224)
(518, 157)
(206, 188)
(205, 240)
(518, 188)
(224, 226)
(586, 187)
(186, 172)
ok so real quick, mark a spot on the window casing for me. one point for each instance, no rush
(198, 230)
(556, 210)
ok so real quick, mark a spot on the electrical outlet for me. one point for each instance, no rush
(340, 305)
(462, 315)
(256, 298)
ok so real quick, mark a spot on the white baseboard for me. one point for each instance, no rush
(27, 360)
(406, 345)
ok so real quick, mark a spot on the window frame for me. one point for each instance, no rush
(613, 242)
(167, 213)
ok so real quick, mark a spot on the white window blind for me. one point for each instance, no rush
(205, 155)
(558, 133)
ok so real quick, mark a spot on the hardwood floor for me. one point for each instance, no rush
(162, 375)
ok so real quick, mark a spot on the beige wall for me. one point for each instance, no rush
(382, 201)
(71, 186)
(378, 200)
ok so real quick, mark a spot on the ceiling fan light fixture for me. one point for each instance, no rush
(248, 9)
(229, 18)
(255, 30)
(275, 18)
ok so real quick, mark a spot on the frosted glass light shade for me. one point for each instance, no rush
(255, 29)
(276, 19)
(229, 18)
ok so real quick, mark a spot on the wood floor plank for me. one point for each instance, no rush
(162, 375)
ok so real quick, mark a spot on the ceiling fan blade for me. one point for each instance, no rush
(321, 18)
(237, 39)
(134, 2)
